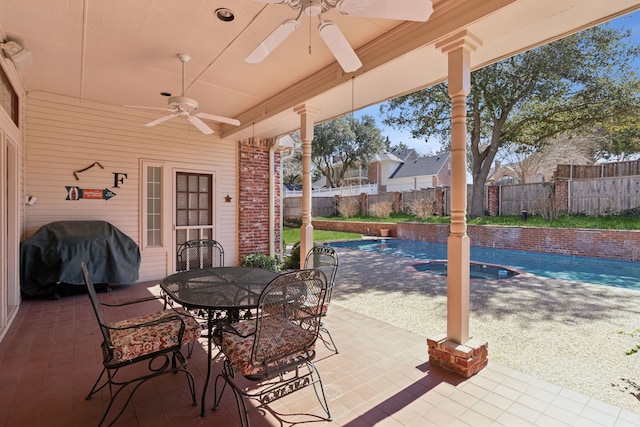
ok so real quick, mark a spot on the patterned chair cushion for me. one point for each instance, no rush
(279, 336)
(136, 342)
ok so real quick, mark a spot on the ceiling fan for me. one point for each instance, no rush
(187, 107)
(406, 10)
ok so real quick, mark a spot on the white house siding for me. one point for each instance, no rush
(386, 170)
(64, 135)
(410, 183)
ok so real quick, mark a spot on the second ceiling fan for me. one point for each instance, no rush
(181, 106)
(406, 10)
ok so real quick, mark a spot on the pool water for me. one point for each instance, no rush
(622, 274)
(476, 270)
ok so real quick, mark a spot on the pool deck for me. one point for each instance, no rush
(567, 333)
(555, 358)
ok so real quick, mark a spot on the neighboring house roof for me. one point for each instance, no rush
(381, 157)
(421, 166)
(403, 154)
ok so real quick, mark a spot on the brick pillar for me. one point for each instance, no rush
(464, 359)
(493, 199)
(439, 210)
(253, 203)
(363, 203)
(397, 202)
(562, 195)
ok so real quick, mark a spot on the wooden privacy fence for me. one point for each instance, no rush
(320, 206)
(326, 206)
(604, 170)
(604, 196)
(513, 199)
(600, 196)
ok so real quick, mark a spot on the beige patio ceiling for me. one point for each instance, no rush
(122, 52)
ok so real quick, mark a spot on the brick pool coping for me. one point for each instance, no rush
(610, 244)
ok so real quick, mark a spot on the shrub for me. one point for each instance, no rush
(348, 206)
(422, 208)
(381, 209)
(292, 262)
(259, 260)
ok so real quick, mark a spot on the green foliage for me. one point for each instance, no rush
(259, 260)
(571, 84)
(611, 222)
(293, 235)
(292, 262)
(635, 334)
(632, 213)
(350, 140)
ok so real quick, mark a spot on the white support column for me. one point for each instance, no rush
(455, 351)
(307, 114)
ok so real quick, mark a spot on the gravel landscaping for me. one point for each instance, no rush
(563, 332)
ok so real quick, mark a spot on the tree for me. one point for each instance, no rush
(562, 87)
(345, 143)
(292, 162)
(531, 165)
(619, 138)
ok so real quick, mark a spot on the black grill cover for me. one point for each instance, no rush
(54, 253)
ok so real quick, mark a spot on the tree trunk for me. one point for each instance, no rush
(477, 201)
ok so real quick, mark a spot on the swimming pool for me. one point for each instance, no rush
(621, 274)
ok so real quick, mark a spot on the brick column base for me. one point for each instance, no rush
(464, 359)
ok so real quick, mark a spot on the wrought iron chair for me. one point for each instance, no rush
(275, 350)
(199, 253)
(325, 259)
(154, 339)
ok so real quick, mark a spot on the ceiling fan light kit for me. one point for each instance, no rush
(187, 107)
(405, 10)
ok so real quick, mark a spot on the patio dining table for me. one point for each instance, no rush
(220, 294)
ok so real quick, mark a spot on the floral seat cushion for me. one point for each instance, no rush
(281, 343)
(136, 342)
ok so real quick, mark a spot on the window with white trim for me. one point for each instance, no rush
(152, 206)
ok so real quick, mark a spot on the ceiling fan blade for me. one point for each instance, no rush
(405, 10)
(162, 119)
(200, 125)
(339, 46)
(272, 41)
(218, 118)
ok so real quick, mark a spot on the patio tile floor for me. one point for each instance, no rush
(51, 356)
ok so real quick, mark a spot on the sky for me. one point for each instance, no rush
(630, 21)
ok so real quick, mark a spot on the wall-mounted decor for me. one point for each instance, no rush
(77, 193)
(75, 173)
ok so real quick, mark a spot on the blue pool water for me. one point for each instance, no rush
(622, 274)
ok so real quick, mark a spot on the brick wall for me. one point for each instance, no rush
(253, 202)
(364, 228)
(562, 195)
(612, 244)
(493, 200)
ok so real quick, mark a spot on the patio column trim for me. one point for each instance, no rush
(307, 113)
(455, 351)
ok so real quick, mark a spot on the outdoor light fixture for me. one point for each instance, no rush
(20, 56)
(224, 14)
